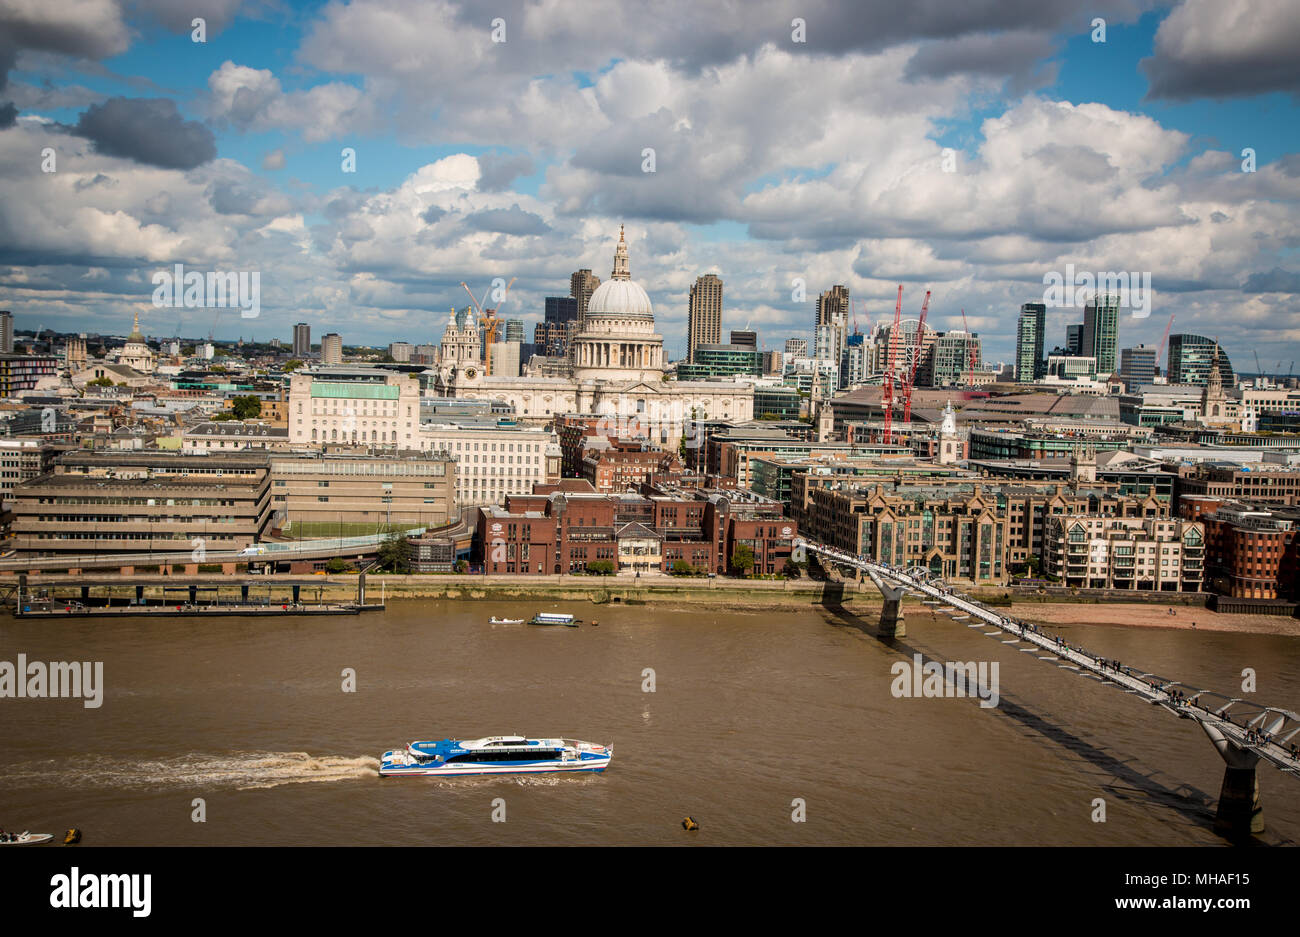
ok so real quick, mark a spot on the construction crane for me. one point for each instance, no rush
(887, 385)
(487, 318)
(1259, 368)
(916, 361)
(1160, 349)
(970, 379)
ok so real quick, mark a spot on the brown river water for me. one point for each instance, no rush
(751, 713)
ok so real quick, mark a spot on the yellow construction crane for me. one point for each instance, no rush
(487, 318)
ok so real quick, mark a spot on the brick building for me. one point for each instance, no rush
(564, 528)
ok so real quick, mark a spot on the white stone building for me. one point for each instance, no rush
(615, 366)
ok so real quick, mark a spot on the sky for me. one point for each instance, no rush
(365, 158)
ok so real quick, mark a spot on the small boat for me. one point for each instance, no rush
(25, 839)
(549, 618)
(499, 754)
(505, 621)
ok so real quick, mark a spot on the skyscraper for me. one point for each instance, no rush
(6, 332)
(301, 340)
(331, 349)
(1101, 333)
(581, 285)
(515, 330)
(833, 316)
(1029, 342)
(704, 314)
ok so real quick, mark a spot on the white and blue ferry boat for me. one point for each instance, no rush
(498, 754)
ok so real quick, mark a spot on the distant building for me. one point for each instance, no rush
(721, 361)
(704, 314)
(796, 347)
(1029, 342)
(400, 351)
(6, 332)
(301, 340)
(1139, 553)
(1190, 357)
(581, 285)
(1101, 332)
(744, 337)
(1074, 339)
(20, 373)
(404, 488)
(1137, 366)
(331, 349)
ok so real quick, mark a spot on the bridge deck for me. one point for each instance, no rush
(1265, 731)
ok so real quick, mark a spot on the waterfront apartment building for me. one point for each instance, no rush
(1252, 551)
(301, 340)
(952, 526)
(378, 410)
(1030, 329)
(376, 489)
(1142, 554)
(566, 529)
(704, 314)
(97, 502)
(1101, 332)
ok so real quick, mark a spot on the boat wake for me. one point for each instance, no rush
(239, 770)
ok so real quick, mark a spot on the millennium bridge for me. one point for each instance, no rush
(1243, 732)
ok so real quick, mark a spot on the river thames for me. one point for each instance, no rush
(755, 719)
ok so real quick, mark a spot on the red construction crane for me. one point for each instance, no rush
(916, 361)
(1160, 349)
(887, 385)
(487, 318)
(970, 380)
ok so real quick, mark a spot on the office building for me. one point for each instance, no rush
(1137, 366)
(364, 489)
(1029, 363)
(744, 337)
(1190, 357)
(1074, 339)
(796, 347)
(582, 284)
(6, 332)
(1101, 333)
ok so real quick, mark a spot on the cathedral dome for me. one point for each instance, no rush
(620, 297)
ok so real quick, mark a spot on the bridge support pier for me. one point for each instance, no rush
(297, 590)
(243, 595)
(1239, 814)
(892, 624)
(139, 595)
(194, 595)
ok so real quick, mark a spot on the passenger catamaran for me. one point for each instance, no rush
(499, 754)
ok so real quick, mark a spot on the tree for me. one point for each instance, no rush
(336, 565)
(742, 558)
(791, 569)
(600, 568)
(462, 566)
(395, 553)
(224, 416)
(292, 364)
(246, 408)
(100, 382)
(682, 568)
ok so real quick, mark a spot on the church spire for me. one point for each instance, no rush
(135, 328)
(621, 270)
